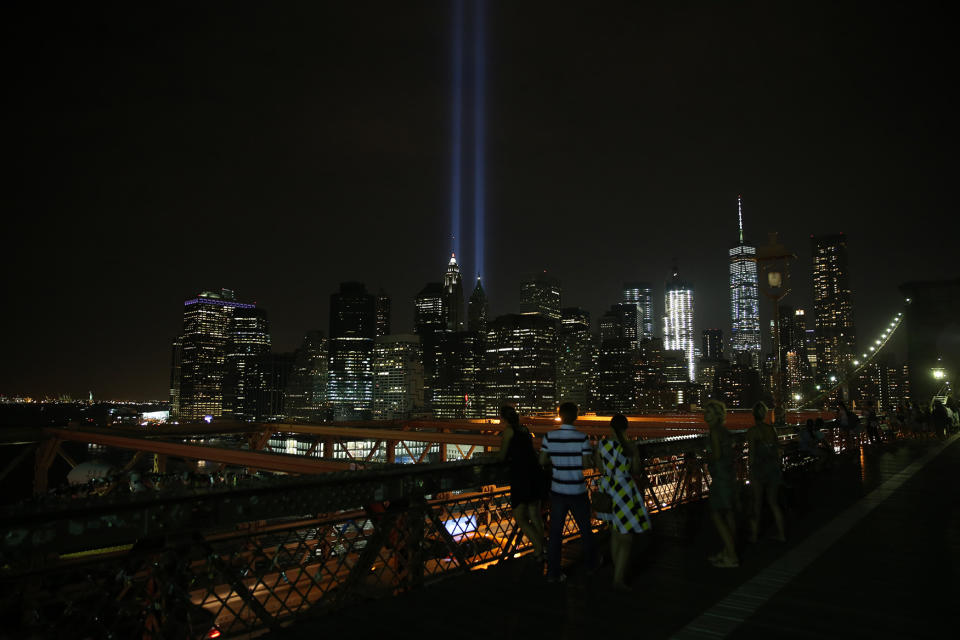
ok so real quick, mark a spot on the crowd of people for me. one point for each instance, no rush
(556, 476)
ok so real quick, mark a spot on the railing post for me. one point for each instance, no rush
(46, 452)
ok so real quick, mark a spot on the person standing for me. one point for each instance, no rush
(527, 485)
(618, 458)
(723, 484)
(765, 472)
(567, 451)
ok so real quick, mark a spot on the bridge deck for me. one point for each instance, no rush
(873, 552)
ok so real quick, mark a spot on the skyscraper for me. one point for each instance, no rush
(521, 363)
(428, 316)
(383, 314)
(397, 377)
(439, 311)
(744, 298)
(678, 321)
(712, 344)
(540, 294)
(454, 389)
(353, 324)
(616, 375)
(641, 294)
(832, 305)
(621, 322)
(201, 355)
(478, 310)
(306, 393)
(248, 340)
(453, 296)
(574, 356)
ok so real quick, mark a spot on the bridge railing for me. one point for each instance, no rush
(256, 557)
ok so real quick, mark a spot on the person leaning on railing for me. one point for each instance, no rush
(723, 495)
(528, 482)
(765, 472)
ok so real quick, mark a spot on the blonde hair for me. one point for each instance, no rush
(714, 407)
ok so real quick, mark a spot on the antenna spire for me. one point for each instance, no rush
(740, 216)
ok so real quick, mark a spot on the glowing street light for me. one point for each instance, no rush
(938, 373)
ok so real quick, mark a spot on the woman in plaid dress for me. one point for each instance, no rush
(617, 458)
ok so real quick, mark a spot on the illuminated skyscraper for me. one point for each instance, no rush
(574, 360)
(353, 322)
(832, 305)
(744, 299)
(397, 377)
(678, 321)
(453, 296)
(540, 294)
(202, 354)
(248, 341)
(521, 363)
(641, 294)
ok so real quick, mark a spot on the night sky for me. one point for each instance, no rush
(155, 152)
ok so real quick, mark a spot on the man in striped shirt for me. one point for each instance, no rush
(567, 451)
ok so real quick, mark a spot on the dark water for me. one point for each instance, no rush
(25, 419)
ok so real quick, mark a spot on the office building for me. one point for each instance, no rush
(248, 341)
(397, 377)
(832, 305)
(574, 357)
(306, 393)
(712, 347)
(521, 363)
(353, 323)
(540, 294)
(744, 298)
(457, 360)
(453, 296)
(641, 294)
(199, 359)
(383, 314)
(621, 322)
(678, 321)
(478, 310)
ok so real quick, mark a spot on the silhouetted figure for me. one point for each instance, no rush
(939, 420)
(617, 458)
(723, 495)
(527, 480)
(765, 472)
(568, 452)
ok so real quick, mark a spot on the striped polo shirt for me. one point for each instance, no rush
(566, 447)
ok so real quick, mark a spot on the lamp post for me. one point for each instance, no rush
(773, 262)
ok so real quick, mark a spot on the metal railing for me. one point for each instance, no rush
(252, 558)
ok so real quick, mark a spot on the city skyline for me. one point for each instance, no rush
(163, 157)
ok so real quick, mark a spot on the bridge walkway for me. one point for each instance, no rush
(873, 551)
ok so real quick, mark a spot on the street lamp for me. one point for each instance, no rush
(773, 260)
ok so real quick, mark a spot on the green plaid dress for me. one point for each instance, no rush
(629, 515)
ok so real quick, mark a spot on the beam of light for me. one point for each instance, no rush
(456, 147)
(479, 149)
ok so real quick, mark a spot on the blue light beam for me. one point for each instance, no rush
(456, 148)
(479, 149)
